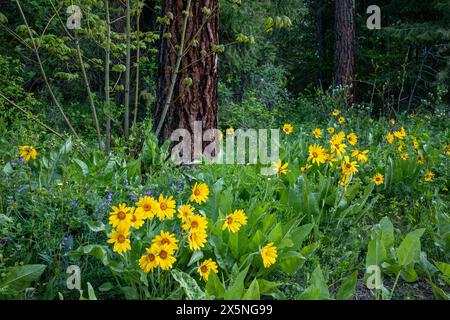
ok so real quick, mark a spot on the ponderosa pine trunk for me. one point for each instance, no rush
(345, 44)
(196, 101)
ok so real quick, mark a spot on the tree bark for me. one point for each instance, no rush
(345, 43)
(197, 101)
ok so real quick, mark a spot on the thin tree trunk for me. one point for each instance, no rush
(345, 44)
(107, 90)
(180, 105)
(138, 55)
(127, 72)
(91, 98)
(44, 75)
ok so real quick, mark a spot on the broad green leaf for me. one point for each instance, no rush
(236, 289)
(376, 253)
(348, 286)
(409, 250)
(106, 287)
(291, 261)
(19, 278)
(96, 226)
(189, 285)
(94, 250)
(387, 232)
(252, 292)
(276, 234)
(318, 290)
(299, 234)
(445, 269)
(196, 256)
(84, 167)
(214, 287)
(409, 274)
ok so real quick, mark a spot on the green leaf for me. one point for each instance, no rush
(445, 269)
(291, 261)
(214, 287)
(8, 169)
(236, 288)
(130, 293)
(84, 167)
(409, 250)
(348, 286)
(252, 292)
(299, 234)
(269, 288)
(19, 278)
(66, 148)
(438, 292)
(276, 234)
(318, 290)
(107, 286)
(196, 256)
(96, 226)
(93, 250)
(409, 274)
(387, 232)
(91, 292)
(189, 285)
(376, 253)
(256, 241)
(310, 249)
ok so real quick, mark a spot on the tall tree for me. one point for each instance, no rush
(345, 43)
(188, 75)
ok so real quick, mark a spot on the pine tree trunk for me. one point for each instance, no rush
(345, 43)
(198, 101)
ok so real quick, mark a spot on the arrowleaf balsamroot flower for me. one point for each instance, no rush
(185, 212)
(336, 112)
(400, 134)
(420, 158)
(352, 138)
(121, 216)
(148, 261)
(330, 130)
(197, 239)
(338, 148)
(137, 219)
(165, 256)
(429, 176)
(280, 168)
(206, 267)
(360, 155)
(269, 255)
(415, 143)
(341, 120)
(147, 206)
(288, 128)
(166, 207)
(317, 154)
(233, 222)
(390, 137)
(378, 179)
(120, 240)
(27, 152)
(349, 167)
(200, 193)
(404, 156)
(166, 238)
(317, 133)
(195, 223)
